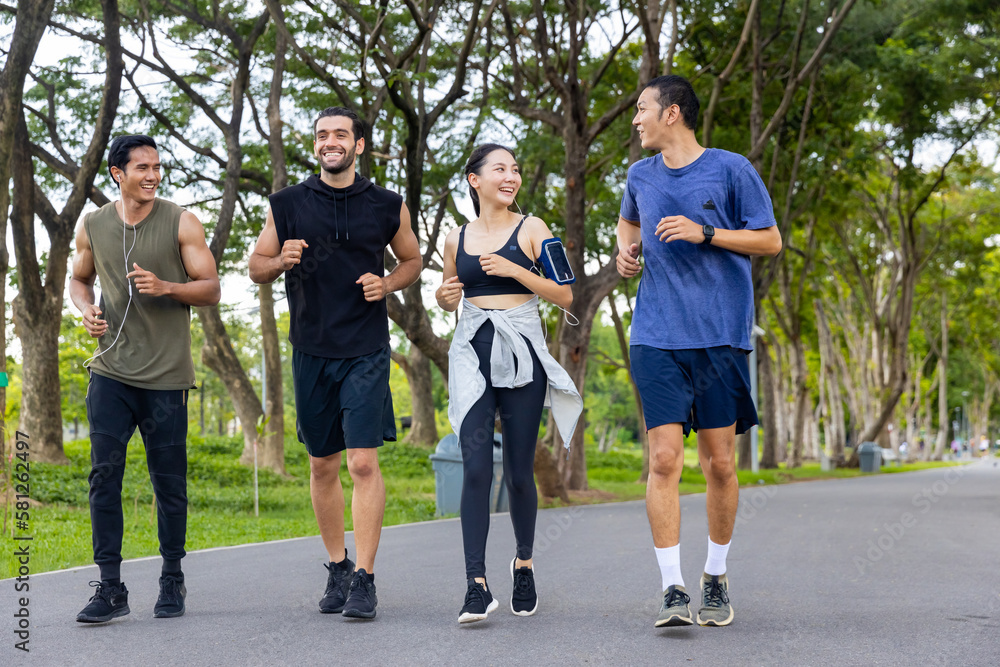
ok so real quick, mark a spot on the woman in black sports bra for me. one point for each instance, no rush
(499, 361)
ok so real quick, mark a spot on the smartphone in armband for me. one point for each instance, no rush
(554, 261)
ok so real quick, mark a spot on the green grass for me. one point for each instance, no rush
(220, 497)
(220, 494)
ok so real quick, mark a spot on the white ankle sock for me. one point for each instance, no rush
(715, 564)
(670, 565)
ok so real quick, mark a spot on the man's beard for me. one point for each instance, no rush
(344, 165)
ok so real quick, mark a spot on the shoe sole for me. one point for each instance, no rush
(472, 618)
(331, 611)
(168, 614)
(673, 621)
(104, 619)
(516, 612)
(357, 613)
(717, 624)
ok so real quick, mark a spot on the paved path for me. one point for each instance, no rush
(884, 570)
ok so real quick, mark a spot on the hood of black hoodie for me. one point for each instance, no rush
(340, 198)
(359, 185)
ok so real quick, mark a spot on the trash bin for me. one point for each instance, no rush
(870, 457)
(447, 464)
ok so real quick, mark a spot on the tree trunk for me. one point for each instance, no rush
(271, 448)
(623, 344)
(417, 367)
(573, 346)
(41, 416)
(30, 23)
(768, 401)
(800, 403)
(942, 369)
(38, 306)
(550, 481)
(218, 355)
(743, 444)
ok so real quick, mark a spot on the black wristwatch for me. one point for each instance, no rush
(709, 232)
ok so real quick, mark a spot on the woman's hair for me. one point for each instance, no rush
(475, 164)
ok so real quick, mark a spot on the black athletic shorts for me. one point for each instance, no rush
(342, 403)
(703, 388)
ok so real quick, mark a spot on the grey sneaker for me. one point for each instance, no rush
(674, 609)
(715, 608)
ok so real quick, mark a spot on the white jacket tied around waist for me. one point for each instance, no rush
(466, 383)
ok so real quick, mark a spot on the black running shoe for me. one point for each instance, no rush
(338, 581)
(479, 602)
(523, 600)
(361, 598)
(108, 602)
(172, 594)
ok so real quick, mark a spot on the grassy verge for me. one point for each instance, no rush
(220, 493)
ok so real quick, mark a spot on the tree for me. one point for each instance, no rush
(31, 19)
(38, 306)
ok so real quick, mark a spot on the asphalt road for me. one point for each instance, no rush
(882, 570)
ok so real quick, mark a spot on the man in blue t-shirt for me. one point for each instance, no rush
(698, 214)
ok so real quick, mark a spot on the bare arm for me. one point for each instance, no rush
(81, 285)
(203, 289)
(269, 259)
(766, 241)
(449, 294)
(494, 265)
(629, 245)
(409, 263)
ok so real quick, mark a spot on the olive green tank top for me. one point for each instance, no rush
(153, 350)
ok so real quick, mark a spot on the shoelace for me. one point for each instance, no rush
(100, 592)
(676, 596)
(361, 582)
(336, 580)
(715, 594)
(522, 581)
(475, 590)
(170, 586)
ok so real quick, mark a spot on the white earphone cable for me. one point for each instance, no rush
(125, 254)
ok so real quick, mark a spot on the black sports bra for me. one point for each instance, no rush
(477, 282)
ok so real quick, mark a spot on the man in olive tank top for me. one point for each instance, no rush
(327, 236)
(153, 264)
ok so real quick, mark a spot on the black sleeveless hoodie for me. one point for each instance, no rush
(347, 230)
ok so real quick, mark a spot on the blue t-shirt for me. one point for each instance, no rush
(694, 296)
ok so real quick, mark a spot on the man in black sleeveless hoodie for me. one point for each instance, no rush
(328, 235)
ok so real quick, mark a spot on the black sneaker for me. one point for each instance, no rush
(675, 609)
(523, 600)
(108, 602)
(479, 602)
(338, 581)
(170, 603)
(361, 598)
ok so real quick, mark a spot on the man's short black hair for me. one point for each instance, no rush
(357, 125)
(120, 151)
(674, 89)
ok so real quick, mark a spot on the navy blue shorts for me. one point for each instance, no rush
(342, 403)
(704, 388)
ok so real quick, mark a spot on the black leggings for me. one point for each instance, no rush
(114, 410)
(520, 416)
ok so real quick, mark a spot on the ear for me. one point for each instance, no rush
(474, 180)
(673, 114)
(359, 146)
